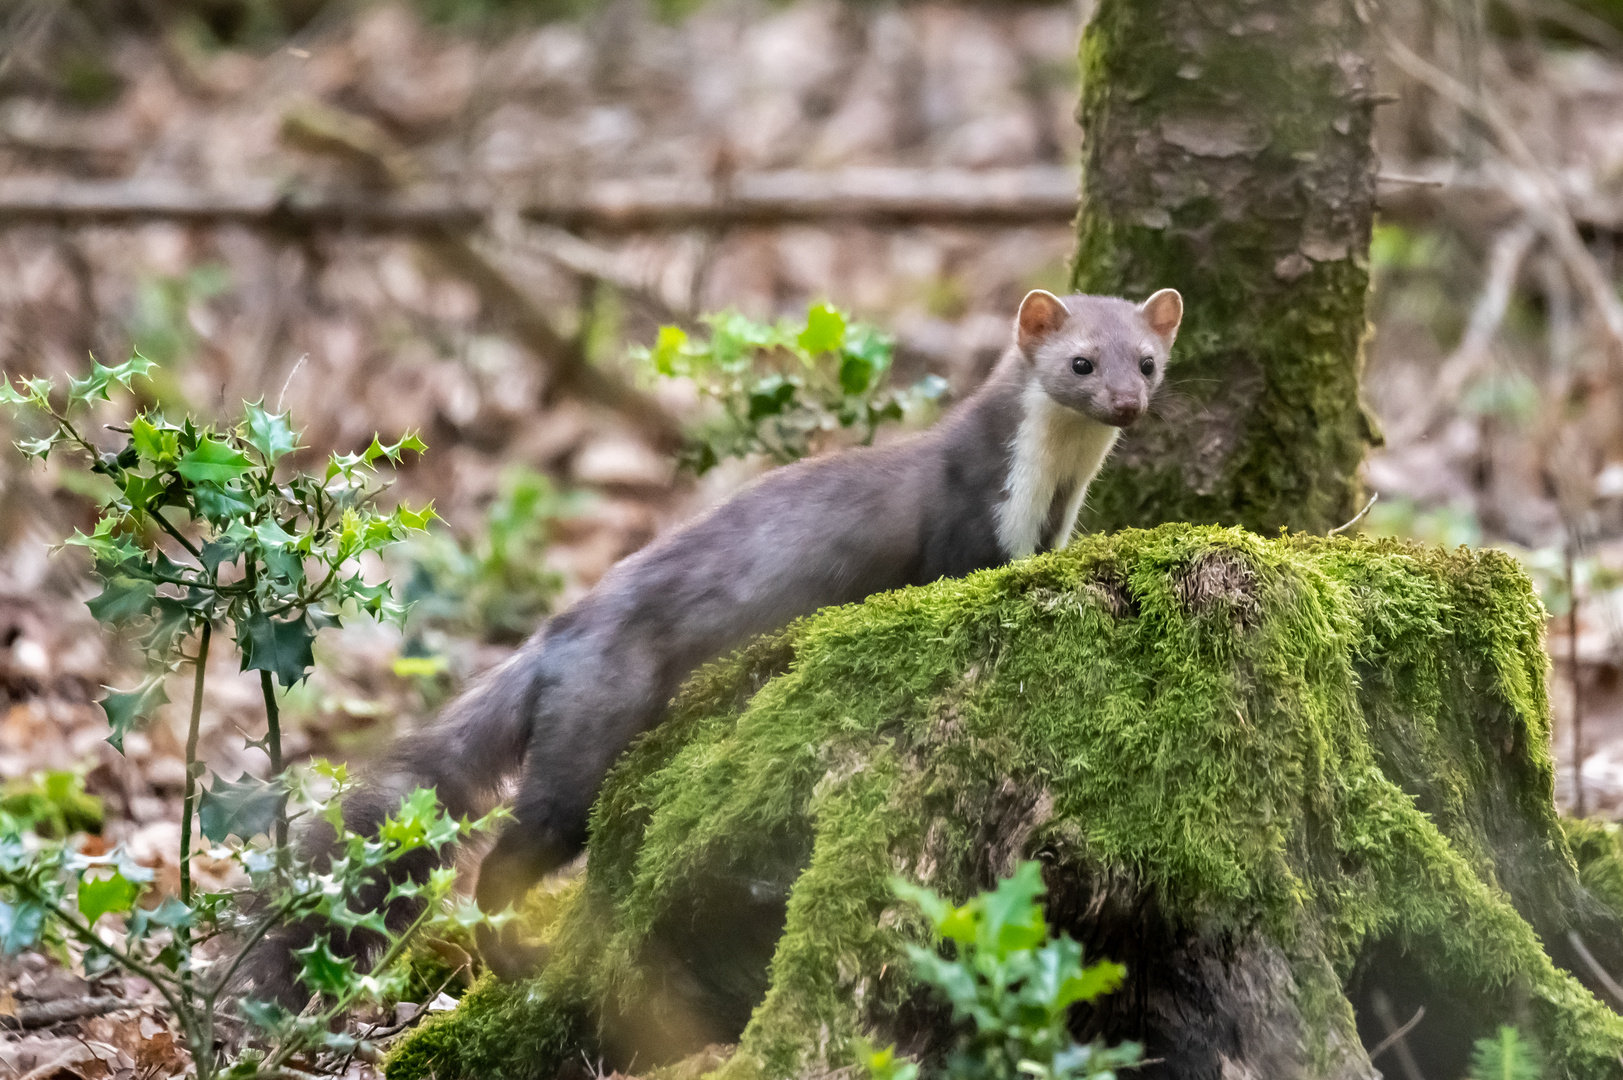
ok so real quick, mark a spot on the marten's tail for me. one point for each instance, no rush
(465, 756)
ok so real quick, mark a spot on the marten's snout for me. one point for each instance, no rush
(1124, 408)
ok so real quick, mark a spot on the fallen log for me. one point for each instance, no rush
(1036, 195)
(873, 195)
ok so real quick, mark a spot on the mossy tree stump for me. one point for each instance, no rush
(1276, 778)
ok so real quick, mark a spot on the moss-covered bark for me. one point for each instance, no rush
(1274, 777)
(1227, 154)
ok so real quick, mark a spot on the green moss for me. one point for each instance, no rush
(1597, 847)
(1332, 745)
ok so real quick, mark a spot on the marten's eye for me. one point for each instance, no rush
(1147, 366)
(1081, 365)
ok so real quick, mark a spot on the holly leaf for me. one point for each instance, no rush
(213, 462)
(270, 433)
(98, 897)
(122, 598)
(171, 619)
(94, 386)
(272, 536)
(413, 520)
(107, 548)
(825, 330)
(323, 972)
(285, 564)
(282, 648)
(856, 373)
(866, 343)
(1091, 982)
(266, 1015)
(154, 444)
(145, 493)
(770, 397)
(126, 708)
(216, 552)
(245, 808)
(20, 925)
(38, 448)
(221, 503)
(418, 822)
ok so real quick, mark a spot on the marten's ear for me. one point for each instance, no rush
(1041, 313)
(1163, 311)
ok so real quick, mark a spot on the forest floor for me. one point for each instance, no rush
(358, 332)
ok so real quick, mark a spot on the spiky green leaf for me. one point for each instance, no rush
(281, 647)
(98, 897)
(126, 708)
(213, 462)
(270, 433)
(244, 809)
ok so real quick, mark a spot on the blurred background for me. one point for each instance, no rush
(459, 216)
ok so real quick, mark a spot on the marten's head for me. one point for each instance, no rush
(1099, 355)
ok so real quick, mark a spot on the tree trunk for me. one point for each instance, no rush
(1227, 154)
(1284, 781)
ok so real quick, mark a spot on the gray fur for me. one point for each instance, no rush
(826, 531)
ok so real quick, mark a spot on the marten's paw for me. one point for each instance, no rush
(512, 960)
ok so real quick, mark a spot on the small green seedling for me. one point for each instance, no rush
(1011, 986)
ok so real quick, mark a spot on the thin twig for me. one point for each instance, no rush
(460, 256)
(1387, 1043)
(188, 802)
(1602, 976)
(1356, 517)
(1574, 19)
(1510, 249)
(1400, 1046)
(1530, 183)
(289, 381)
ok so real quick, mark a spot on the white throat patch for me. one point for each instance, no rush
(1056, 449)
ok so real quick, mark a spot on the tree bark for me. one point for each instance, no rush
(1227, 154)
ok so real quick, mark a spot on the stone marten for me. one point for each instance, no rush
(1003, 475)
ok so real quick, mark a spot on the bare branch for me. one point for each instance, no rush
(1528, 182)
(1601, 975)
(1391, 1040)
(47, 1013)
(1510, 250)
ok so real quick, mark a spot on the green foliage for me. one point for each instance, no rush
(273, 556)
(885, 1065)
(204, 527)
(161, 325)
(1597, 848)
(1014, 985)
(1331, 745)
(1506, 1056)
(50, 895)
(1450, 525)
(494, 585)
(52, 803)
(779, 387)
